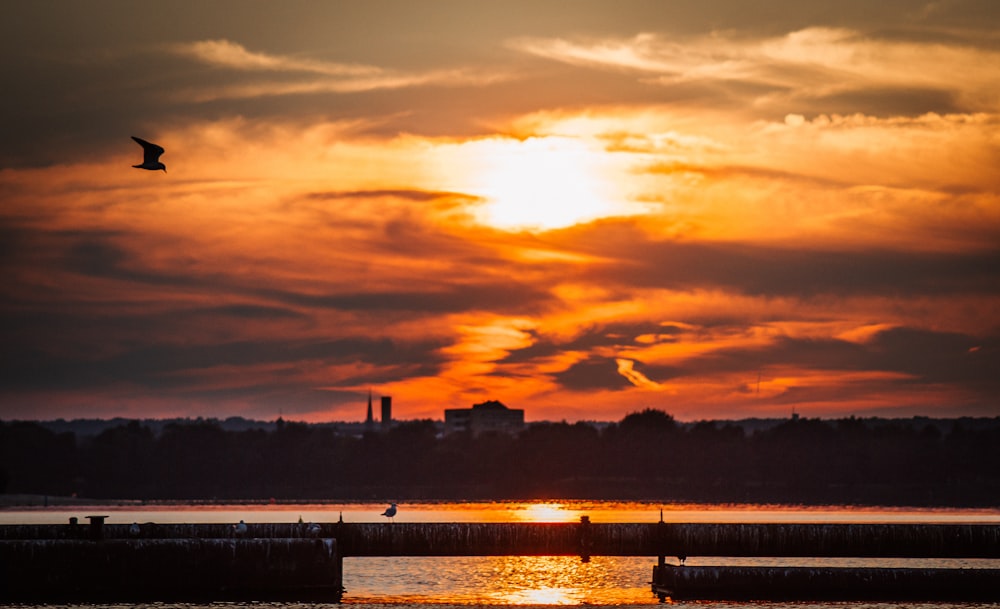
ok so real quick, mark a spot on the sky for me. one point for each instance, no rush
(583, 209)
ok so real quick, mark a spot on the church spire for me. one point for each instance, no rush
(370, 421)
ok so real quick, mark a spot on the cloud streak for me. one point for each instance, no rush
(802, 67)
(300, 75)
(228, 54)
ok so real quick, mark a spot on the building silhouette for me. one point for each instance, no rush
(386, 411)
(489, 416)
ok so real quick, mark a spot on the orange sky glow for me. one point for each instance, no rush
(639, 205)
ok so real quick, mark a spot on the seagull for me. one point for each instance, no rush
(241, 528)
(390, 512)
(150, 155)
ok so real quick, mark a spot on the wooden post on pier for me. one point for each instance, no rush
(585, 541)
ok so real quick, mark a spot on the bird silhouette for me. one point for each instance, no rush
(390, 512)
(150, 156)
(240, 529)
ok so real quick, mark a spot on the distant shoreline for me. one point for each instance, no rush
(23, 501)
(647, 457)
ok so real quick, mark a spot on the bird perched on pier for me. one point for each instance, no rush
(150, 156)
(241, 528)
(134, 529)
(390, 512)
(313, 529)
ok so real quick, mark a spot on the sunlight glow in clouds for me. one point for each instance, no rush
(540, 182)
(626, 368)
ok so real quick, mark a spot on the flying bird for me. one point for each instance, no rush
(150, 155)
(390, 512)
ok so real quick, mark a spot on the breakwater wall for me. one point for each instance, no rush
(825, 583)
(583, 538)
(204, 569)
(656, 539)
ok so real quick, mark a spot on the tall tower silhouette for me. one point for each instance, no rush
(370, 421)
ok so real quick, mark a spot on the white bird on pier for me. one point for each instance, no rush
(390, 512)
(241, 528)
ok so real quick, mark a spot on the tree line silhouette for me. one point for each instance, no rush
(647, 455)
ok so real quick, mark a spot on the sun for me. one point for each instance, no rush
(545, 512)
(541, 183)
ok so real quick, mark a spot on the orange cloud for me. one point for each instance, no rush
(573, 258)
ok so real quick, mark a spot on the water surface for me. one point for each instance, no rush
(517, 580)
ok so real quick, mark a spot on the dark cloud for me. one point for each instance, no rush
(919, 356)
(503, 296)
(889, 101)
(97, 258)
(614, 334)
(766, 270)
(118, 256)
(940, 357)
(267, 401)
(105, 255)
(744, 171)
(593, 373)
(250, 312)
(162, 366)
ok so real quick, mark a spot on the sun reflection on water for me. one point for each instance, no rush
(500, 580)
(540, 596)
(546, 580)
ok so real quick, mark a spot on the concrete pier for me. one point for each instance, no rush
(825, 583)
(656, 539)
(204, 570)
(583, 538)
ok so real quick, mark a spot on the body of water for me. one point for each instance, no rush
(526, 580)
